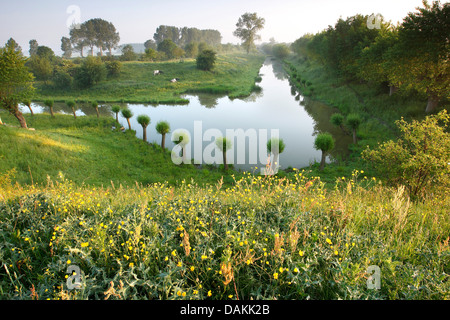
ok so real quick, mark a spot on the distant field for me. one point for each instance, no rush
(234, 74)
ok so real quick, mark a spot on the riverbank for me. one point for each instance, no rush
(234, 75)
(88, 152)
(377, 108)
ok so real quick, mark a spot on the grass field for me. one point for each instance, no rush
(234, 74)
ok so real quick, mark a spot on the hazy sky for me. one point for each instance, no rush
(137, 20)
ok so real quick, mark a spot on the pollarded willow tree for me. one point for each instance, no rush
(116, 110)
(163, 128)
(325, 143)
(16, 82)
(224, 144)
(71, 105)
(275, 146)
(127, 114)
(248, 25)
(144, 121)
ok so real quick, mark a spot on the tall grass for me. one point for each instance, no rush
(264, 238)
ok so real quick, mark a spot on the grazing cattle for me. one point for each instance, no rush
(174, 80)
(156, 72)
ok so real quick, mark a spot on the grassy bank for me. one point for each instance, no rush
(372, 103)
(377, 109)
(87, 151)
(234, 75)
(265, 238)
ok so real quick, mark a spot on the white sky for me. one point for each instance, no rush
(137, 20)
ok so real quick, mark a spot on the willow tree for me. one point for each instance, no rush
(247, 27)
(127, 114)
(71, 105)
(224, 145)
(163, 128)
(275, 146)
(27, 102)
(49, 103)
(116, 110)
(95, 105)
(325, 143)
(144, 121)
(16, 82)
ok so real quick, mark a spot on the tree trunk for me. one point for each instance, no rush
(98, 115)
(117, 117)
(129, 124)
(163, 141)
(225, 164)
(19, 116)
(322, 162)
(51, 111)
(144, 135)
(432, 104)
(31, 110)
(74, 115)
(354, 137)
(392, 90)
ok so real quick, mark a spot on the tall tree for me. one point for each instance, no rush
(420, 59)
(150, 44)
(95, 33)
(247, 27)
(167, 33)
(11, 43)
(16, 82)
(66, 47)
(33, 47)
(168, 47)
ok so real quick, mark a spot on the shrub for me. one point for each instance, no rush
(91, 72)
(206, 60)
(419, 158)
(113, 68)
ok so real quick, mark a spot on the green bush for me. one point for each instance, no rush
(419, 159)
(206, 60)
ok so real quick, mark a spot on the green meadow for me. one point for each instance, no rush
(234, 75)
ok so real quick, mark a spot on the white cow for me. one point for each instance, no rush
(156, 72)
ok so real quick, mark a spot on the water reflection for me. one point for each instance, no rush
(277, 108)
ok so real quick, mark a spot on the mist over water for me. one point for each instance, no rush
(277, 109)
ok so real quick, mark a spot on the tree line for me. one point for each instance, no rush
(410, 57)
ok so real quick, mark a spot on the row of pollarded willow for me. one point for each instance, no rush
(162, 127)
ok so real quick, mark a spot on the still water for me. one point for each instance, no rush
(277, 110)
